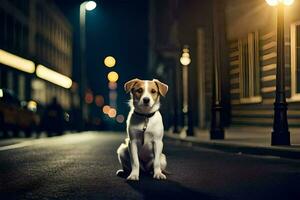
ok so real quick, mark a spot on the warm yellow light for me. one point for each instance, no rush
(185, 54)
(184, 60)
(288, 2)
(276, 2)
(16, 62)
(113, 76)
(112, 113)
(105, 109)
(1, 93)
(109, 61)
(32, 105)
(53, 76)
(90, 5)
(272, 2)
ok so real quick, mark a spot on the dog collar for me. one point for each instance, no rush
(145, 115)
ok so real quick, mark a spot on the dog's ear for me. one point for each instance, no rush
(162, 88)
(129, 84)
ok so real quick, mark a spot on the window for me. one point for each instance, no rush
(249, 69)
(295, 61)
(21, 85)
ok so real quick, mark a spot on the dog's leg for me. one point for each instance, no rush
(163, 162)
(124, 159)
(158, 146)
(135, 164)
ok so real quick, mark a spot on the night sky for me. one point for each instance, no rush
(118, 28)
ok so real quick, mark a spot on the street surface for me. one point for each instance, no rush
(83, 166)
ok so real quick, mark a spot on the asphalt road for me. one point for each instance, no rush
(83, 166)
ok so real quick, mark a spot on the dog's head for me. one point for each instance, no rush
(145, 93)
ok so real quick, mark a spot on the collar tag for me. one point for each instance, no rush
(145, 124)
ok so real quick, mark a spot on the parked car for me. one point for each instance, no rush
(15, 115)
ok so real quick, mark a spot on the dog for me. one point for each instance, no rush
(143, 145)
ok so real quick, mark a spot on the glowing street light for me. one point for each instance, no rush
(113, 76)
(90, 5)
(280, 134)
(185, 57)
(16, 62)
(185, 60)
(53, 76)
(109, 61)
(276, 2)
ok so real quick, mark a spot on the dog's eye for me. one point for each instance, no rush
(140, 90)
(153, 91)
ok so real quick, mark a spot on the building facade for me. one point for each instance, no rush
(36, 30)
(252, 61)
(240, 37)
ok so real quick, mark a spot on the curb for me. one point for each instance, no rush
(284, 152)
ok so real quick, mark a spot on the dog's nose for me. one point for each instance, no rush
(146, 100)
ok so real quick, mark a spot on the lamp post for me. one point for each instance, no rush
(280, 134)
(185, 60)
(85, 6)
(216, 126)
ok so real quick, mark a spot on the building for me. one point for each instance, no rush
(252, 61)
(36, 31)
(240, 38)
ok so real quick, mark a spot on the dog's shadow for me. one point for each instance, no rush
(164, 189)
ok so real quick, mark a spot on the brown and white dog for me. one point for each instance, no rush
(143, 145)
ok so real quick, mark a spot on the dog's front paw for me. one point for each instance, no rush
(159, 175)
(133, 177)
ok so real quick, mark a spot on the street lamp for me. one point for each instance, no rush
(216, 124)
(87, 5)
(185, 60)
(90, 5)
(280, 134)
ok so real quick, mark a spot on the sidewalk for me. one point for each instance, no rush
(248, 140)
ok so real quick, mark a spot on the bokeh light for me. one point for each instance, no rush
(112, 113)
(113, 95)
(32, 105)
(112, 85)
(109, 61)
(120, 119)
(113, 76)
(99, 100)
(89, 98)
(105, 109)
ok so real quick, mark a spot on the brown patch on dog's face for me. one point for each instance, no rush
(162, 87)
(130, 84)
(138, 89)
(153, 90)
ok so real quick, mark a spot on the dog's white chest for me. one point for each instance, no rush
(145, 129)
